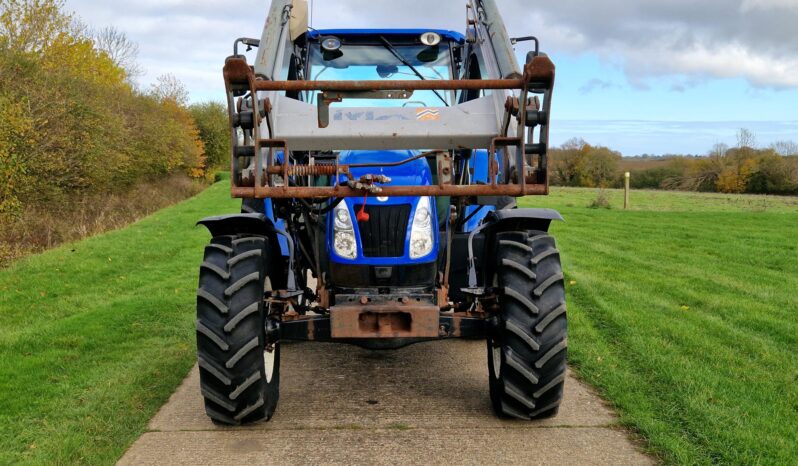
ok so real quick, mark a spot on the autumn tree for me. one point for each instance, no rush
(739, 164)
(70, 122)
(602, 166)
(568, 162)
(168, 87)
(214, 130)
(785, 148)
(577, 163)
(121, 50)
(33, 25)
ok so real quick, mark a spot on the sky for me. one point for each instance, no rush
(644, 76)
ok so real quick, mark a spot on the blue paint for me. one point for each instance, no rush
(415, 173)
(479, 162)
(279, 223)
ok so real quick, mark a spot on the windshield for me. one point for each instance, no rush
(376, 62)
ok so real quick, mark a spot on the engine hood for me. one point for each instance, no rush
(415, 173)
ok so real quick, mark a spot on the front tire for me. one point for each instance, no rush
(527, 353)
(239, 375)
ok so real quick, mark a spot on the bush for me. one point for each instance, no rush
(602, 201)
(70, 122)
(774, 175)
(655, 178)
(577, 163)
(741, 169)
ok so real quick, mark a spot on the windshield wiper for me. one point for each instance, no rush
(402, 59)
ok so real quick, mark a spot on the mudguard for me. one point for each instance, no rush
(522, 219)
(258, 225)
(234, 224)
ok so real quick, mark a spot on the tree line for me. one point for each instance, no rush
(744, 168)
(72, 121)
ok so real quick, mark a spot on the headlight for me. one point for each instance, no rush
(342, 219)
(430, 39)
(344, 241)
(330, 43)
(421, 233)
(345, 244)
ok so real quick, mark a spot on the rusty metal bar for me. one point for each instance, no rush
(538, 73)
(390, 85)
(305, 192)
(318, 328)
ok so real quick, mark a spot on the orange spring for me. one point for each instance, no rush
(306, 170)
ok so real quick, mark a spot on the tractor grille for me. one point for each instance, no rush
(384, 234)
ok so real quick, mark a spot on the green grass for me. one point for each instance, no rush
(95, 336)
(683, 312)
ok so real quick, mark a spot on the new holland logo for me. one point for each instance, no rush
(428, 114)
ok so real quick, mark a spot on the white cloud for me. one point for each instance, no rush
(687, 40)
(749, 5)
(704, 39)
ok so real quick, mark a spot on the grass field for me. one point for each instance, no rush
(95, 336)
(682, 313)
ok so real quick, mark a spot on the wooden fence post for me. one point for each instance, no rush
(626, 177)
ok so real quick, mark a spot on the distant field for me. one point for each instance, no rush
(668, 201)
(682, 312)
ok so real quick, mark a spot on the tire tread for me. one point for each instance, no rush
(532, 333)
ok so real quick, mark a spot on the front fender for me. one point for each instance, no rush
(236, 224)
(522, 219)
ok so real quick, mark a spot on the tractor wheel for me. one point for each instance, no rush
(527, 351)
(239, 373)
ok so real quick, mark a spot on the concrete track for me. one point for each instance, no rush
(426, 403)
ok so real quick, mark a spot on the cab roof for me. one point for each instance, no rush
(445, 34)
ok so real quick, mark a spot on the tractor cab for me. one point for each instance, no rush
(373, 55)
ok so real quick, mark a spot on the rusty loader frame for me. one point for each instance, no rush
(497, 122)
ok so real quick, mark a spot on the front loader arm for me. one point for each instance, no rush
(502, 121)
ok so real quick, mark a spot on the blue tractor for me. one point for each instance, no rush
(378, 172)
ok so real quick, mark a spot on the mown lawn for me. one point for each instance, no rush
(684, 313)
(95, 336)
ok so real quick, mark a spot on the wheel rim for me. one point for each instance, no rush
(496, 352)
(268, 363)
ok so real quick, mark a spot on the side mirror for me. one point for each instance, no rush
(246, 41)
(530, 55)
